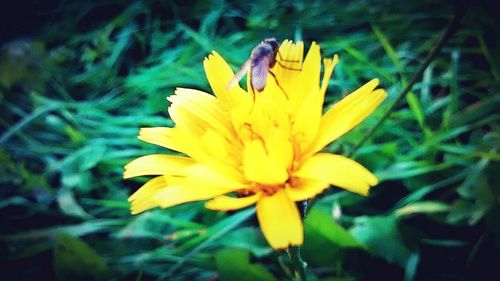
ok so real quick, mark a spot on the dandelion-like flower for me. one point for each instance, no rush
(241, 148)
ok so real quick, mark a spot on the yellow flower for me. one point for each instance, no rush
(263, 147)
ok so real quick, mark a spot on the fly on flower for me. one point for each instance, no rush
(262, 59)
(237, 151)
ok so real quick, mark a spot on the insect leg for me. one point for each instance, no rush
(282, 59)
(277, 83)
(253, 90)
(288, 68)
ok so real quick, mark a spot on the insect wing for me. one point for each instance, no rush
(241, 72)
(259, 72)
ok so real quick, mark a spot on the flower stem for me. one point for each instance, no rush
(298, 265)
(448, 33)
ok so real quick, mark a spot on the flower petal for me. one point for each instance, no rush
(209, 147)
(157, 164)
(308, 113)
(288, 66)
(180, 194)
(339, 171)
(261, 168)
(220, 149)
(202, 182)
(311, 68)
(348, 113)
(219, 74)
(179, 139)
(305, 188)
(329, 65)
(162, 136)
(200, 109)
(280, 220)
(226, 203)
(307, 82)
(216, 176)
(280, 149)
(144, 198)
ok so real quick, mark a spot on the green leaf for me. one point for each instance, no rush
(248, 238)
(69, 205)
(408, 169)
(216, 230)
(416, 108)
(91, 155)
(322, 223)
(426, 207)
(234, 264)
(153, 224)
(325, 238)
(452, 106)
(81, 160)
(477, 195)
(387, 46)
(75, 260)
(73, 230)
(382, 236)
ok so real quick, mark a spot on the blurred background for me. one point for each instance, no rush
(79, 78)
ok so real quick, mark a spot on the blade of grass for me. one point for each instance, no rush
(448, 33)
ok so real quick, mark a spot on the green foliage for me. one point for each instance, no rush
(325, 239)
(381, 234)
(234, 264)
(76, 90)
(75, 260)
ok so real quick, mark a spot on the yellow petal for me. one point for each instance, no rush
(339, 171)
(280, 220)
(226, 203)
(144, 198)
(157, 164)
(199, 110)
(149, 189)
(290, 56)
(268, 123)
(273, 93)
(303, 189)
(217, 176)
(239, 115)
(307, 120)
(261, 168)
(348, 113)
(162, 136)
(280, 148)
(312, 67)
(192, 145)
(308, 79)
(329, 65)
(288, 67)
(179, 139)
(220, 149)
(184, 193)
(200, 183)
(208, 147)
(268, 114)
(219, 74)
(309, 107)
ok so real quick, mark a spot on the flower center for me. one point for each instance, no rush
(269, 190)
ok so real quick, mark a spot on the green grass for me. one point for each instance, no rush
(74, 94)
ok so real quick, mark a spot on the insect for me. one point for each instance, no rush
(262, 59)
